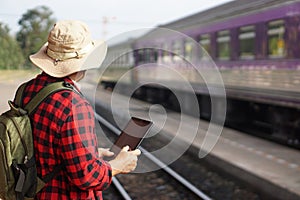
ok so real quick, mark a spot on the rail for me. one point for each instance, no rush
(155, 160)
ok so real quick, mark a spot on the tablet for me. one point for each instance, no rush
(132, 135)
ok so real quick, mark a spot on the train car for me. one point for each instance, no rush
(118, 61)
(254, 44)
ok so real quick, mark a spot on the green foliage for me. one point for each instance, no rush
(11, 56)
(35, 25)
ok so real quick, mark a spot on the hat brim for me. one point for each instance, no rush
(64, 68)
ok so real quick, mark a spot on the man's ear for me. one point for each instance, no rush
(77, 76)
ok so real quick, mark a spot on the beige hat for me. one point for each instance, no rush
(69, 49)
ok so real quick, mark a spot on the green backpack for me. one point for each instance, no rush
(18, 174)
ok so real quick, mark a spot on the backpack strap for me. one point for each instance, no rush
(19, 95)
(44, 93)
(36, 101)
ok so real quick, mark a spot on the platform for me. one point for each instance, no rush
(9, 82)
(270, 167)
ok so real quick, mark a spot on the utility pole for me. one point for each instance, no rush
(105, 21)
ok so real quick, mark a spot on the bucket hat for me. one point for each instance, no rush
(69, 49)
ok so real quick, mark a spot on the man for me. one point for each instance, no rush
(63, 124)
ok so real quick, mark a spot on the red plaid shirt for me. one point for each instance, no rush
(64, 134)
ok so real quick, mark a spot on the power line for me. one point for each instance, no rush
(122, 22)
(93, 20)
(9, 15)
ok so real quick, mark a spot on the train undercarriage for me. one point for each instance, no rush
(273, 121)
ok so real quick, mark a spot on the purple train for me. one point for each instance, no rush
(256, 48)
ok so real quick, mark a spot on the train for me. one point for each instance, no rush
(255, 46)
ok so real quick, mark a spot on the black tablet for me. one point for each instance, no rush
(132, 135)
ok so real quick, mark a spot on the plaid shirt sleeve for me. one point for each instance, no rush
(83, 166)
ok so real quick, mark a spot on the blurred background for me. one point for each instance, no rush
(219, 79)
(24, 26)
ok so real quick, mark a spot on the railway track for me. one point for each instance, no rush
(189, 186)
(184, 179)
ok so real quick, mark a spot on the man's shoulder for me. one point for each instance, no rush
(62, 97)
(72, 96)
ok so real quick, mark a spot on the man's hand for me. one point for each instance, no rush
(125, 161)
(105, 152)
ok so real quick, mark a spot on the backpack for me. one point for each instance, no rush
(18, 174)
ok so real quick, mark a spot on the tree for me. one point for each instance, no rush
(11, 56)
(35, 25)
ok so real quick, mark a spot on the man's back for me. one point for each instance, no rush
(63, 133)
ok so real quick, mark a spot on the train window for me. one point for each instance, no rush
(114, 58)
(148, 55)
(155, 56)
(165, 54)
(118, 59)
(130, 58)
(223, 42)
(188, 50)
(121, 60)
(205, 42)
(176, 50)
(125, 60)
(276, 44)
(140, 55)
(247, 41)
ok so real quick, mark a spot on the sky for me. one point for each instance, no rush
(120, 16)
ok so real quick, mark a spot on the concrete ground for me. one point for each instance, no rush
(271, 168)
(9, 82)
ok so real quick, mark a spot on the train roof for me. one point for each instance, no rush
(226, 11)
(232, 10)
